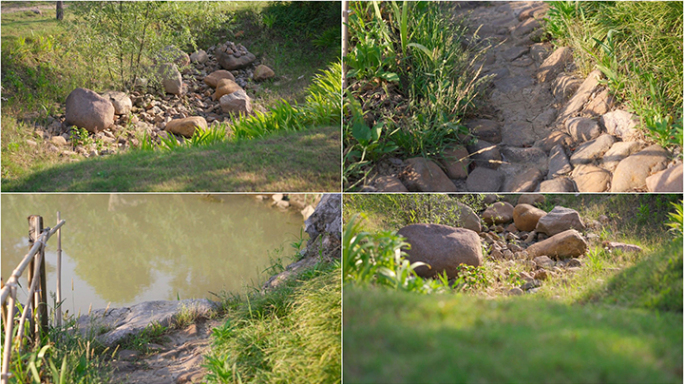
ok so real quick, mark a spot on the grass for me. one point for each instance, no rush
(616, 319)
(290, 334)
(298, 161)
(410, 83)
(637, 46)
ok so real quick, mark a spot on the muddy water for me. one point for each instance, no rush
(125, 249)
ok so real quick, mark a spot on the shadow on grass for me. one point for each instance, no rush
(305, 161)
(398, 337)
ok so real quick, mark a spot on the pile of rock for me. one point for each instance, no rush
(542, 130)
(547, 244)
(206, 87)
(304, 203)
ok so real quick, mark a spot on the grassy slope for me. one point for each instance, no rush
(289, 335)
(304, 161)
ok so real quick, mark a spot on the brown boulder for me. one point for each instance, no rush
(213, 78)
(563, 245)
(456, 162)
(669, 180)
(187, 126)
(526, 216)
(531, 198)
(442, 247)
(559, 220)
(498, 213)
(422, 175)
(86, 109)
(262, 72)
(631, 173)
(225, 87)
(389, 184)
(236, 102)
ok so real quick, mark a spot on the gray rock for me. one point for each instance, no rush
(455, 161)
(580, 98)
(171, 79)
(236, 102)
(531, 199)
(487, 130)
(544, 262)
(483, 179)
(617, 152)
(582, 129)
(199, 56)
(234, 60)
(121, 102)
(327, 217)
(669, 180)
(86, 109)
(553, 139)
(602, 103)
(515, 52)
(559, 220)
(562, 184)
(592, 150)
(564, 86)
(590, 178)
(631, 173)
(621, 124)
(498, 213)
(467, 218)
(422, 175)
(559, 164)
(554, 64)
(485, 154)
(526, 181)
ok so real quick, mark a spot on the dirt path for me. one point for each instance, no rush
(178, 360)
(541, 129)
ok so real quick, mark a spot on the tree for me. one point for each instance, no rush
(60, 10)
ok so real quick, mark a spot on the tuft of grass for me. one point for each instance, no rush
(637, 46)
(289, 334)
(153, 333)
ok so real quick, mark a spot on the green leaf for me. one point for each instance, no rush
(361, 133)
(390, 76)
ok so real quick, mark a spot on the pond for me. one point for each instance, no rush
(122, 249)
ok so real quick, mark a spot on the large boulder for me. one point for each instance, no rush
(121, 102)
(498, 213)
(483, 179)
(467, 218)
(86, 109)
(564, 245)
(187, 126)
(234, 56)
(442, 247)
(237, 102)
(526, 216)
(631, 173)
(455, 162)
(531, 199)
(669, 180)
(422, 175)
(213, 78)
(560, 219)
(327, 217)
(225, 87)
(171, 79)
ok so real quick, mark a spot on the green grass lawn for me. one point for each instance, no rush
(303, 161)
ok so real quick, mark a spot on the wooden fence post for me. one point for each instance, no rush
(40, 299)
(58, 305)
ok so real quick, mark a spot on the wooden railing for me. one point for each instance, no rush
(38, 318)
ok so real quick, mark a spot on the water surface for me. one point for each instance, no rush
(123, 249)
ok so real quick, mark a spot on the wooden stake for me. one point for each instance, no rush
(8, 335)
(40, 299)
(58, 309)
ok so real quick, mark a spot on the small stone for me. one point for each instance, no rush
(559, 164)
(236, 102)
(389, 184)
(554, 64)
(199, 56)
(590, 178)
(526, 181)
(263, 72)
(485, 154)
(515, 292)
(602, 103)
(58, 140)
(31, 142)
(562, 184)
(483, 179)
(455, 162)
(487, 130)
(582, 129)
(553, 139)
(541, 274)
(621, 124)
(573, 263)
(592, 150)
(619, 151)
(531, 284)
(544, 262)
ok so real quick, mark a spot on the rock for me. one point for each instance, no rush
(554, 64)
(327, 218)
(580, 98)
(621, 124)
(573, 263)
(533, 155)
(490, 198)
(624, 247)
(531, 199)
(187, 126)
(602, 103)
(669, 180)
(526, 217)
(58, 140)
(485, 154)
(525, 27)
(307, 212)
(231, 56)
(516, 291)
(592, 150)
(631, 173)
(262, 73)
(173, 54)
(455, 162)
(483, 179)
(498, 213)
(441, 247)
(422, 175)
(171, 79)
(559, 164)
(276, 197)
(512, 228)
(487, 130)
(590, 178)
(518, 134)
(560, 219)
(526, 181)
(31, 142)
(617, 152)
(553, 139)
(237, 102)
(564, 86)
(467, 218)
(515, 52)
(199, 57)
(531, 284)
(544, 262)
(121, 102)
(126, 322)
(86, 109)
(539, 51)
(225, 87)
(582, 129)
(544, 120)
(213, 78)
(541, 274)
(389, 184)
(563, 245)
